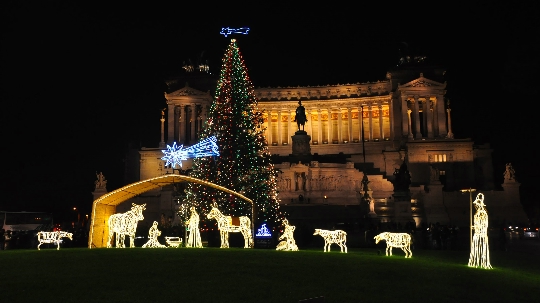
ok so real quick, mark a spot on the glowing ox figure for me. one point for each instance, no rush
(125, 224)
(479, 256)
(398, 240)
(52, 237)
(330, 237)
(227, 224)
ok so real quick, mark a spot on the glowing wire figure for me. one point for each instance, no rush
(174, 155)
(194, 238)
(479, 256)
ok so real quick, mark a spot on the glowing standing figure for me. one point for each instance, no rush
(194, 238)
(287, 239)
(153, 235)
(480, 249)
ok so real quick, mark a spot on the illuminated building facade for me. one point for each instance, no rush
(370, 128)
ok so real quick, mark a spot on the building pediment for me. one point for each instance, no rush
(186, 91)
(422, 83)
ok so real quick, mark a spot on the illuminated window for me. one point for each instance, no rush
(439, 158)
(442, 173)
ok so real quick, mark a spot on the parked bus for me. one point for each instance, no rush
(26, 220)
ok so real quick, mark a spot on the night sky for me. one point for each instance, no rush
(80, 84)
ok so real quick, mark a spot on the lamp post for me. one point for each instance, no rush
(470, 191)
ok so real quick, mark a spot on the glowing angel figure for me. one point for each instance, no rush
(287, 239)
(174, 155)
(153, 235)
(479, 256)
(194, 238)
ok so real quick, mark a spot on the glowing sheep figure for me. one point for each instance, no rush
(398, 240)
(153, 235)
(228, 224)
(53, 237)
(287, 238)
(479, 256)
(338, 237)
(125, 224)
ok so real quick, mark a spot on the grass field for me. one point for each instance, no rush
(262, 275)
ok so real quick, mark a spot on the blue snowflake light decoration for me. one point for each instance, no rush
(174, 155)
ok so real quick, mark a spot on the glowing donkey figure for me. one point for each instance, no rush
(226, 224)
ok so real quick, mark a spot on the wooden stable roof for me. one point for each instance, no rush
(132, 190)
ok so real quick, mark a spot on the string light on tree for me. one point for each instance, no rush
(244, 161)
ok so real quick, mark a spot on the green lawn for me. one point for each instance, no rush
(262, 275)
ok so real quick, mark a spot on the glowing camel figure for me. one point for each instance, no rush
(125, 224)
(227, 224)
(398, 240)
(479, 256)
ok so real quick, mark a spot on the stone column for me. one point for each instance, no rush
(279, 128)
(162, 142)
(429, 119)
(409, 134)
(181, 124)
(370, 114)
(406, 117)
(269, 128)
(425, 117)
(289, 126)
(381, 128)
(319, 135)
(360, 120)
(330, 127)
(450, 134)
(417, 134)
(349, 117)
(339, 126)
(172, 123)
(441, 116)
(193, 122)
(309, 123)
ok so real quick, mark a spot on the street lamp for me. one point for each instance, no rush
(470, 191)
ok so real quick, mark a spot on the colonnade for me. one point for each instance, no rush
(332, 125)
(423, 117)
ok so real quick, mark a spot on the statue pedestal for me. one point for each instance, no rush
(301, 150)
(402, 207)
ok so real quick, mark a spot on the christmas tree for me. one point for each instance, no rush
(244, 163)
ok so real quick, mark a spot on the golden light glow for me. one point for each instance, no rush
(104, 205)
(338, 237)
(153, 235)
(398, 240)
(479, 256)
(52, 237)
(125, 224)
(225, 226)
(287, 239)
(194, 238)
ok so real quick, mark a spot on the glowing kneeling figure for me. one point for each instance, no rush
(53, 237)
(338, 237)
(153, 235)
(287, 239)
(398, 240)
